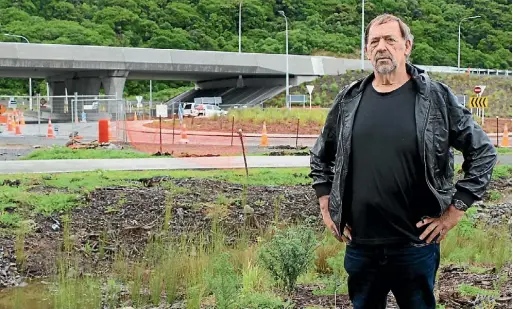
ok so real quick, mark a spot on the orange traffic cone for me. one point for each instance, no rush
(135, 116)
(22, 119)
(17, 128)
(112, 136)
(505, 138)
(183, 135)
(263, 141)
(10, 126)
(50, 133)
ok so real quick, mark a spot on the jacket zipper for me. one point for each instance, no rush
(425, 164)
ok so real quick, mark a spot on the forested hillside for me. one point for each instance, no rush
(315, 27)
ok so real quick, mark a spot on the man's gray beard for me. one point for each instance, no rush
(385, 68)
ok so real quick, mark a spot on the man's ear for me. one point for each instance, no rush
(408, 48)
(366, 53)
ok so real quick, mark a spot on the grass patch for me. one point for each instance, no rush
(466, 244)
(468, 290)
(100, 178)
(501, 171)
(504, 150)
(61, 152)
(276, 116)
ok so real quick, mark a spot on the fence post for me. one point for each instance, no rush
(497, 117)
(233, 123)
(297, 132)
(174, 120)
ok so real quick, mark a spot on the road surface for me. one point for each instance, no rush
(58, 166)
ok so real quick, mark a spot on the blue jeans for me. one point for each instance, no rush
(408, 271)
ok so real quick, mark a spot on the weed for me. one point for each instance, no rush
(329, 247)
(9, 220)
(136, 285)
(156, 285)
(494, 195)
(288, 254)
(194, 295)
(66, 233)
(171, 270)
(74, 293)
(469, 290)
(19, 248)
(222, 280)
(168, 211)
(465, 245)
(53, 203)
(112, 294)
(254, 279)
(336, 263)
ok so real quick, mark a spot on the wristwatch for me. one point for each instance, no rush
(460, 205)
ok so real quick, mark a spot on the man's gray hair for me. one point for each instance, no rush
(385, 18)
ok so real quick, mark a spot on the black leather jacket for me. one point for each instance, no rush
(441, 123)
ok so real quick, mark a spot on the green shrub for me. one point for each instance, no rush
(223, 282)
(288, 255)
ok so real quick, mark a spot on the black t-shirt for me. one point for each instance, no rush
(388, 193)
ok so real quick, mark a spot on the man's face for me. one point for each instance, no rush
(386, 48)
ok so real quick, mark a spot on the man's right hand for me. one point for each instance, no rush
(332, 227)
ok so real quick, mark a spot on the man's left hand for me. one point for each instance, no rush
(440, 226)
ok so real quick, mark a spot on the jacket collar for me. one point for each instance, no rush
(419, 76)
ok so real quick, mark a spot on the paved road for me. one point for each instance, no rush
(57, 166)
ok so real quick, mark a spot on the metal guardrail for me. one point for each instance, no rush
(478, 71)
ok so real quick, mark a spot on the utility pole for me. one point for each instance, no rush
(363, 33)
(240, 21)
(30, 78)
(287, 103)
(459, 37)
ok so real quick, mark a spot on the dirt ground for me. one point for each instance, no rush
(129, 216)
(225, 125)
(290, 127)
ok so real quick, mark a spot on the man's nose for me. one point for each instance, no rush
(382, 45)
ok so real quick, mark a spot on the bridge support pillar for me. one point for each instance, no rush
(83, 86)
(114, 86)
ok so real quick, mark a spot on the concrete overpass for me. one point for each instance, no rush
(85, 69)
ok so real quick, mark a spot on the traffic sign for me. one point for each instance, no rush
(477, 89)
(478, 102)
(310, 88)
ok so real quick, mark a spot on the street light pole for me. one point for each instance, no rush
(287, 103)
(30, 78)
(459, 36)
(240, 18)
(363, 31)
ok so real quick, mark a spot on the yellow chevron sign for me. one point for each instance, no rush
(478, 102)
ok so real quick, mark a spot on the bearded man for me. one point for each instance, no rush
(383, 169)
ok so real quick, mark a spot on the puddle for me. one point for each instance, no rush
(33, 296)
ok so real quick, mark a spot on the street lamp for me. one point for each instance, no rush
(240, 13)
(30, 78)
(459, 35)
(287, 57)
(363, 31)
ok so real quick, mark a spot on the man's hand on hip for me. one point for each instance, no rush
(332, 227)
(440, 226)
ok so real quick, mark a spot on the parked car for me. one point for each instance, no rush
(189, 110)
(209, 110)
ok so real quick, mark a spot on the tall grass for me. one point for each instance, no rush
(275, 115)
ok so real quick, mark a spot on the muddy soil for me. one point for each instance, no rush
(225, 125)
(125, 218)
